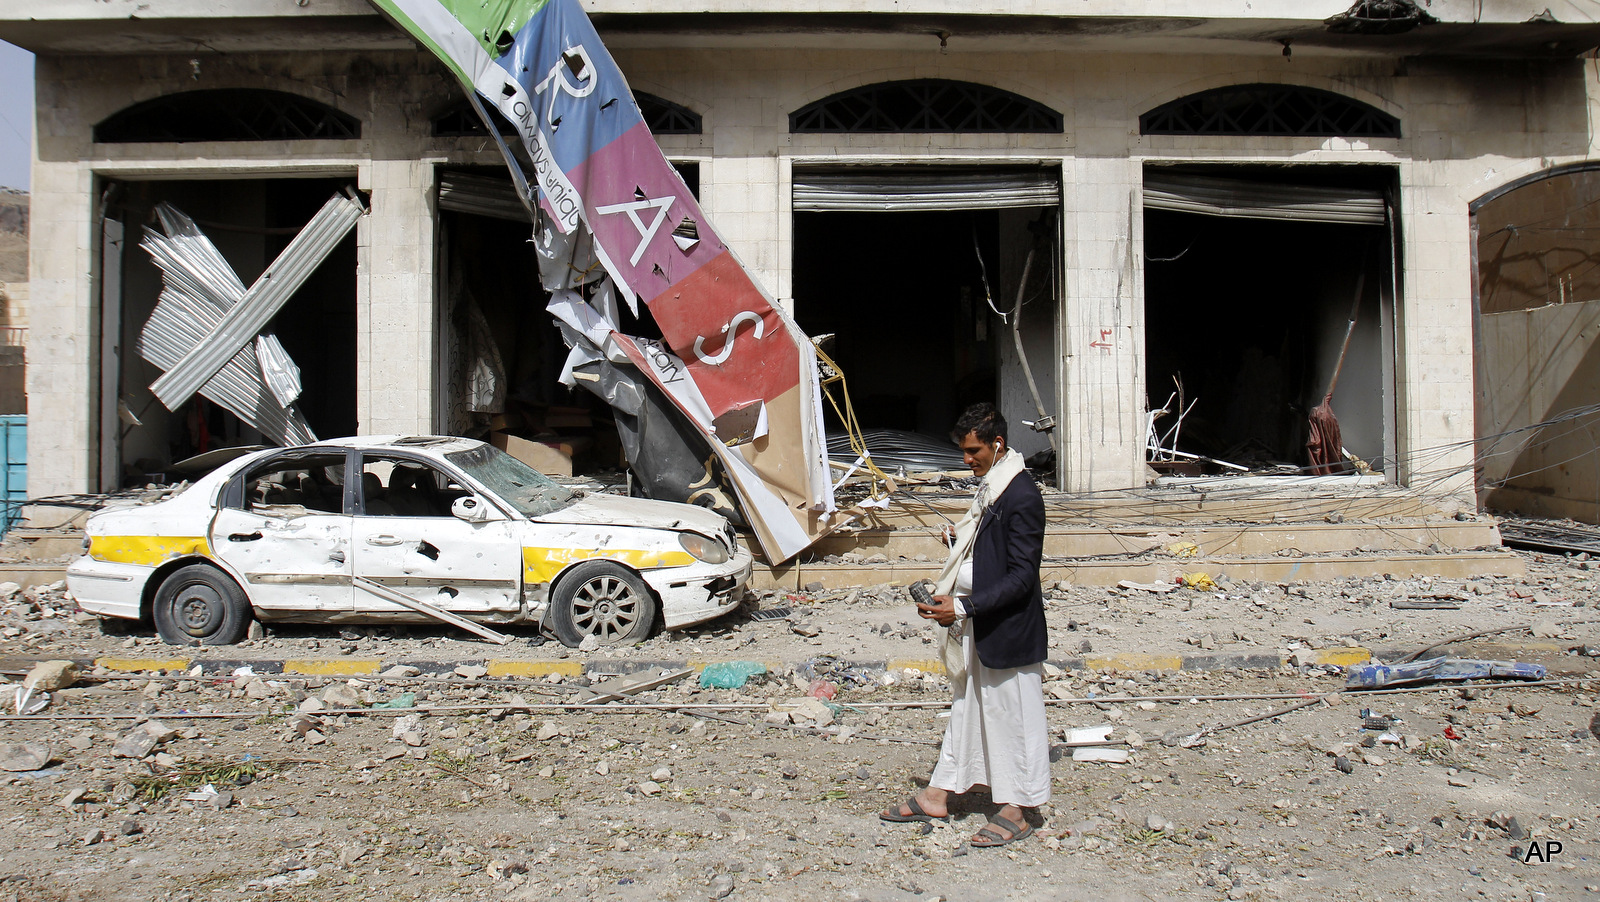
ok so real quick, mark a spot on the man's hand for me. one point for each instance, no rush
(942, 611)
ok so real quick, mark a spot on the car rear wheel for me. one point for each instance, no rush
(604, 600)
(200, 605)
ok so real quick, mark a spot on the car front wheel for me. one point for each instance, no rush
(200, 605)
(604, 600)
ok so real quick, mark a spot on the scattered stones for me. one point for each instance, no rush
(721, 886)
(471, 671)
(24, 756)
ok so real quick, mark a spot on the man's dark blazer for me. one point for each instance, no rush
(1006, 606)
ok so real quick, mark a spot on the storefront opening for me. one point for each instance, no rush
(1252, 280)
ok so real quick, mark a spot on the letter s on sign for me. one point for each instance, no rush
(747, 316)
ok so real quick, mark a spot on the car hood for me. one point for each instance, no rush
(618, 510)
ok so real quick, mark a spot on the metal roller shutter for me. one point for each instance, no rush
(895, 190)
(1248, 199)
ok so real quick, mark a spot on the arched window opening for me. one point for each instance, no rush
(461, 121)
(662, 116)
(227, 114)
(665, 117)
(925, 105)
(1269, 109)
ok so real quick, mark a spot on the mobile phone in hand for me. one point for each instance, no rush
(919, 593)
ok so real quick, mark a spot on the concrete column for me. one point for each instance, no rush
(744, 191)
(394, 301)
(1102, 332)
(1434, 373)
(63, 346)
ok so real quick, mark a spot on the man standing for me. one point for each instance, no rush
(990, 593)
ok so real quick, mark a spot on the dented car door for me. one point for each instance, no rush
(283, 529)
(406, 538)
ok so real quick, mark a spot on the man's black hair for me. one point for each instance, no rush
(982, 420)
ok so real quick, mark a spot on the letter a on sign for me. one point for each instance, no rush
(662, 205)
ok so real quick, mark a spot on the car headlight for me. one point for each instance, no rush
(708, 550)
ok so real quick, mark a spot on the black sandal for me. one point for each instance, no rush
(917, 815)
(989, 838)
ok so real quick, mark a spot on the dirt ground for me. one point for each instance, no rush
(1559, 600)
(499, 802)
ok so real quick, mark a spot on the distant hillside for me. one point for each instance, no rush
(13, 235)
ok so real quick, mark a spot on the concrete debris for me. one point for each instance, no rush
(341, 695)
(136, 744)
(50, 676)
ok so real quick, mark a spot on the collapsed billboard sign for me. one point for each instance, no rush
(730, 360)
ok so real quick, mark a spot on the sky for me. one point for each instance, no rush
(16, 116)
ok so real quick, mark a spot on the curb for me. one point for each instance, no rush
(1554, 655)
(603, 667)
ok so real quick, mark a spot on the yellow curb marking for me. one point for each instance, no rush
(926, 666)
(333, 668)
(137, 664)
(1133, 662)
(535, 668)
(1343, 657)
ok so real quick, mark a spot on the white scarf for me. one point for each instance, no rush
(995, 482)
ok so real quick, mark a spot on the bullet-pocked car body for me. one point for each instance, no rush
(291, 534)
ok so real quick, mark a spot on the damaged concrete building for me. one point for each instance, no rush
(1214, 210)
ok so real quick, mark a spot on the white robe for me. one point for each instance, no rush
(997, 734)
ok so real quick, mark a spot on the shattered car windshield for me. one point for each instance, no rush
(520, 485)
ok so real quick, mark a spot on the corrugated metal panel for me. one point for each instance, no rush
(241, 321)
(14, 478)
(481, 196)
(200, 287)
(888, 190)
(1247, 199)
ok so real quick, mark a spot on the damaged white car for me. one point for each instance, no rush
(331, 532)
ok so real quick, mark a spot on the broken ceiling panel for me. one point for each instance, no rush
(247, 315)
(199, 289)
(278, 369)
